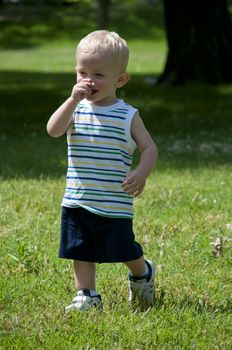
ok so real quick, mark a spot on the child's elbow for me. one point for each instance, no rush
(52, 131)
(154, 151)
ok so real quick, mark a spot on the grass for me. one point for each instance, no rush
(185, 206)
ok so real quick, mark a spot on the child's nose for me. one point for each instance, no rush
(90, 80)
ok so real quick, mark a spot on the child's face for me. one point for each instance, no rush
(103, 73)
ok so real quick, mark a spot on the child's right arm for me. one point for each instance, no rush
(61, 119)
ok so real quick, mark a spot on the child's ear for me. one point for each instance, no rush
(76, 69)
(123, 79)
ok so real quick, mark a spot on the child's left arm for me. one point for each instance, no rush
(136, 179)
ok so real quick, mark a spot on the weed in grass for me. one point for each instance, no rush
(25, 256)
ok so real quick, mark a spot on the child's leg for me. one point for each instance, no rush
(141, 283)
(137, 267)
(84, 274)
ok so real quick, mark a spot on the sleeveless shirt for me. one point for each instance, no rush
(100, 149)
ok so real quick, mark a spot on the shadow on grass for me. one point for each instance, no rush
(192, 126)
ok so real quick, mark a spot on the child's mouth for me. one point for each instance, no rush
(93, 91)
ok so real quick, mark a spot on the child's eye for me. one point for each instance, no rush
(82, 73)
(99, 75)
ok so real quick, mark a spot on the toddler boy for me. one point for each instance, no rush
(97, 209)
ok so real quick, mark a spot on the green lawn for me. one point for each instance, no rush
(185, 206)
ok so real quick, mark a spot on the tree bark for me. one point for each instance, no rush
(103, 13)
(199, 37)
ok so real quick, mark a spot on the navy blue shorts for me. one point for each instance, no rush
(89, 237)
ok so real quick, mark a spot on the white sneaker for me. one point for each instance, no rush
(142, 289)
(84, 301)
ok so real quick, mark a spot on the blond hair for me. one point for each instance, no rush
(105, 42)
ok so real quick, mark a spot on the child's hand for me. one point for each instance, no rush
(81, 90)
(134, 183)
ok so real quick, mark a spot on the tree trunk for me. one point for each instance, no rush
(199, 36)
(103, 13)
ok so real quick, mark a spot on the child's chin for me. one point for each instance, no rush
(92, 98)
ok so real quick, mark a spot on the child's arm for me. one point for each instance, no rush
(61, 119)
(136, 179)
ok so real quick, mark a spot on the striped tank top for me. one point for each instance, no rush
(100, 149)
